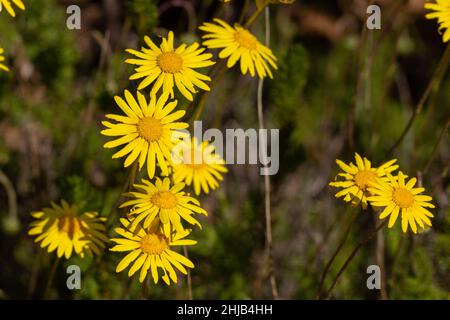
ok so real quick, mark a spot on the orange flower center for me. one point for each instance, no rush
(363, 179)
(154, 243)
(150, 129)
(164, 200)
(69, 224)
(170, 62)
(246, 39)
(403, 197)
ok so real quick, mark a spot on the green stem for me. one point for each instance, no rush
(196, 108)
(244, 11)
(34, 274)
(201, 105)
(127, 186)
(336, 252)
(256, 14)
(395, 262)
(189, 278)
(51, 276)
(267, 184)
(352, 255)
(434, 85)
(436, 146)
(12, 196)
(146, 288)
(200, 98)
(352, 113)
(132, 176)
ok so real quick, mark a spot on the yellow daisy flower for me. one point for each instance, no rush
(151, 249)
(239, 44)
(64, 229)
(441, 12)
(2, 58)
(148, 130)
(198, 163)
(7, 4)
(170, 67)
(398, 195)
(357, 178)
(167, 203)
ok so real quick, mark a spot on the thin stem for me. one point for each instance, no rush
(189, 279)
(267, 186)
(352, 255)
(436, 146)
(132, 176)
(395, 262)
(34, 274)
(51, 276)
(200, 98)
(434, 85)
(11, 194)
(380, 261)
(202, 102)
(88, 114)
(336, 252)
(196, 108)
(127, 186)
(125, 289)
(244, 11)
(352, 113)
(334, 225)
(256, 14)
(145, 288)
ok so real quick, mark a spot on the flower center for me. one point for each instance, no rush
(170, 62)
(154, 243)
(70, 225)
(164, 200)
(403, 197)
(246, 39)
(363, 179)
(193, 158)
(150, 129)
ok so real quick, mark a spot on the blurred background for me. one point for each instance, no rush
(340, 88)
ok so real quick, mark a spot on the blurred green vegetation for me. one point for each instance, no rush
(331, 96)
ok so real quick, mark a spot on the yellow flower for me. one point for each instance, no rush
(64, 229)
(357, 178)
(398, 195)
(239, 44)
(171, 67)
(167, 203)
(9, 8)
(198, 164)
(441, 12)
(151, 249)
(2, 58)
(148, 130)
